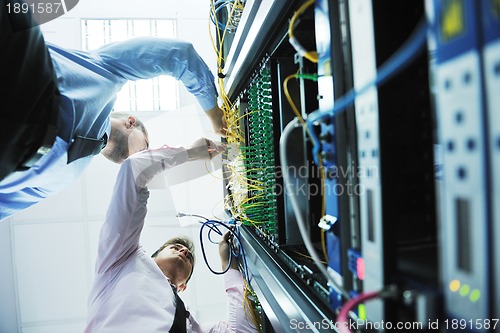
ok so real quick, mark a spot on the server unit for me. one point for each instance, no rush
(391, 154)
(465, 196)
(490, 14)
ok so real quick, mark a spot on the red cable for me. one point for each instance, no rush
(343, 317)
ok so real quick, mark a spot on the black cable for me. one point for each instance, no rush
(233, 229)
(213, 226)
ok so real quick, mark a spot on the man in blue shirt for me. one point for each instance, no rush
(74, 92)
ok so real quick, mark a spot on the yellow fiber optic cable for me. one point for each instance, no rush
(309, 55)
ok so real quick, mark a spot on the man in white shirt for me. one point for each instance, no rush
(133, 292)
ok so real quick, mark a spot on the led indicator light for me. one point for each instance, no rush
(360, 268)
(464, 290)
(452, 24)
(362, 312)
(475, 295)
(454, 285)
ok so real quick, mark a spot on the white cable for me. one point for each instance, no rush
(296, 209)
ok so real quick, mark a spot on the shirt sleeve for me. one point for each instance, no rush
(148, 57)
(50, 175)
(121, 230)
(11, 203)
(237, 319)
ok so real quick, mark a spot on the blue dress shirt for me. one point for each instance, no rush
(89, 82)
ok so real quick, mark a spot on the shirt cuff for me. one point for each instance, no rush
(207, 102)
(233, 279)
(148, 163)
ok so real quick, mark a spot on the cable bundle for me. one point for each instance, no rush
(232, 8)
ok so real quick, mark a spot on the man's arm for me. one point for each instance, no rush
(125, 217)
(121, 230)
(237, 318)
(148, 57)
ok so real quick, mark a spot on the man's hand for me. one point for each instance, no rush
(225, 252)
(216, 116)
(203, 149)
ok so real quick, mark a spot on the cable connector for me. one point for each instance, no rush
(327, 222)
(308, 76)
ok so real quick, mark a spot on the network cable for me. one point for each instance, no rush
(396, 63)
(342, 322)
(213, 226)
(296, 208)
(234, 136)
(343, 316)
(313, 77)
(251, 301)
(309, 55)
(235, 9)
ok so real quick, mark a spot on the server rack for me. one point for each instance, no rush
(254, 82)
(363, 77)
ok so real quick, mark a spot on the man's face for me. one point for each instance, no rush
(177, 262)
(125, 139)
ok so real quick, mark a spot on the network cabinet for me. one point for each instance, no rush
(362, 160)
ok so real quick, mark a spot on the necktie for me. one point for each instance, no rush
(83, 147)
(179, 325)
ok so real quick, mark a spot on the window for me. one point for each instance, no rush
(158, 94)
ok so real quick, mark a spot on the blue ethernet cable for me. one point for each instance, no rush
(396, 63)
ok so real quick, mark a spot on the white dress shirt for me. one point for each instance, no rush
(130, 292)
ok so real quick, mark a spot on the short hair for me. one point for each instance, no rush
(138, 123)
(184, 241)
